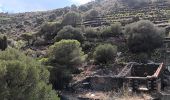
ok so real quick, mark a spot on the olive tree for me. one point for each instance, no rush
(143, 37)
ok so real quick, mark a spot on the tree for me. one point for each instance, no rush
(72, 18)
(92, 14)
(143, 37)
(69, 32)
(49, 30)
(64, 56)
(83, 8)
(105, 54)
(73, 7)
(23, 78)
(66, 52)
(3, 42)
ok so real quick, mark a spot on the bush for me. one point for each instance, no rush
(69, 32)
(72, 18)
(49, 30)
(92, 14)
(143, 37)
(106, 32)
(64, 56)
(27, 37)
(105, 54)
(115, 30)
(23, 78)
(83, 8)
(91, 33)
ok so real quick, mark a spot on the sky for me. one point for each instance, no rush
(15, 6)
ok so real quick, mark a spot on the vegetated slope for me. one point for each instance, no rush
(14, 25)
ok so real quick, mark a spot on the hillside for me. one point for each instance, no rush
(90, 50)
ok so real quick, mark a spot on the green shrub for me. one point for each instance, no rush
(116, 29)
(72, 18)
(27, 37)
(91, 14)
(91, 33)
(106, 32)
(105, 53)
(49, 30)
(69, 32)
(23, 78)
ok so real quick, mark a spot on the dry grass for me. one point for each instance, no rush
(126, 95)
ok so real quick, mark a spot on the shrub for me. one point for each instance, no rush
(49, 30)
(23, 78)
(69, 32)
(105, 53)
(91, 14)
(116, 29)
(28, 37)
(83, 8)
(106, 32)
(91, 33)
(72, 18)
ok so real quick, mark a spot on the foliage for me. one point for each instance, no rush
(27, 37)
(143, 37)
(91, 33)
(114, 30)
(92, 14)
(105, 53)
(66, 52)
(83, 8)
(136, 3)
(106, 32)
(69, 32)
(19, 44)
(73, 7)
(49, 30)
(64, 56)
(23, 78)
(3, 42)
(72, 18)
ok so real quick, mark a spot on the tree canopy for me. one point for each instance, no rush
(69, 32)
(65, 56)
(144, 37)
(105, 53)
(22, 78)
(72, 18)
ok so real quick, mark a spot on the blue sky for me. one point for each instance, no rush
(36, 5)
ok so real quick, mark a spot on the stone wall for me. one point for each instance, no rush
(107, 83)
